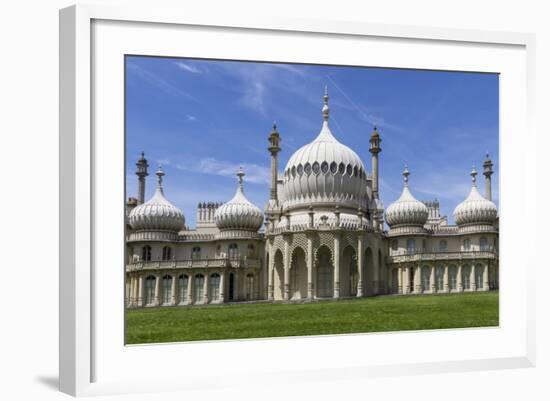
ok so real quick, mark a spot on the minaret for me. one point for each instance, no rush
(488, 172)
(274, 149)
(141, 172)
(375, 148)
(160, 174)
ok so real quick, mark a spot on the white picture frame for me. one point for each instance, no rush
(90, 353)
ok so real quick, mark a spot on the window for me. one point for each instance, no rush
(250, 250)
(249, 286)
(349, 170)
(196, 253)
(300, 169)
(333, 167)
(307, 168)
(233, 251)
(199, 287)
(394, 281)
(453, 270)
(341, 168)
(442, 246)
(316, 168)
(467, 244)
(324, 167)
(214, 287)
(166, 289)
(184, 287)
(483, 246)
(293, 171)
(439, 278)
(166, 253)
(425, 279)
(150, 290)
(146, 253)
(479, 276)
(423, 245)
(466, 277)
(394, 245)
(410, 245)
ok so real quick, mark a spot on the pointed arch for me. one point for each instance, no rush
(324, 272)
(368, 285)
(278, 275)
(348, 272)
(298, 274)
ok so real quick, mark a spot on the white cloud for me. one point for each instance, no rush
(254, 173)
(188, 67)
(157, 81)
(191, 118)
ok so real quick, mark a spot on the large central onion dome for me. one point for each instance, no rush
(406, 211)
(475, 209)
(238, 214)
(157, 213)
(325, 172)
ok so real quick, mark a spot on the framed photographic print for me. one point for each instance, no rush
(289, 196)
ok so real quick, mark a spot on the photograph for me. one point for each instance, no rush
(276, 199)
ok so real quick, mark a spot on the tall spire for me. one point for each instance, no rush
(141, 172)
(325, 109)
(274, 149)
(374, 150)
(488, 172)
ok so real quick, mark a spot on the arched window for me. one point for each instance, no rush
(198, 287)
(166, 253)
(214, 287)
(249, 286)
(425, 278)
(233, 251)
(467, 244)
(146, 253)
(250, 250)
(424, 245)
(196, 253)
(442, 246)
(166, 290)
(479, 276)
(410, 245)
(483, 246)
(439, 278)
(150, 290)
(183, 283)
(453, 271)
(394, 245)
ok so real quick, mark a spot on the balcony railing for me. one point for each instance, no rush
(193, 263)
(420, 255)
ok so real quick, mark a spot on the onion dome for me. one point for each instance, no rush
(475, 209)
(325, 172)
(406, 210)
(238, 214)
(157, 213)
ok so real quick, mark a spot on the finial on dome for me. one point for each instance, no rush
(160, 174)
(240, 175)
(325, 109)
(406, 174)
(473, 173)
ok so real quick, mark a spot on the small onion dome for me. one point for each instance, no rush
(406, 210)
(238, 213)
(157, 213)
(475, 209)
(324, 172)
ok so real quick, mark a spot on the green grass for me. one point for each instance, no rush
(385, 313)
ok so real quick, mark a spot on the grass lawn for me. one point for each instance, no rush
(384, 313)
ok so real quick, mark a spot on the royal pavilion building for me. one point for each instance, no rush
(321, 235)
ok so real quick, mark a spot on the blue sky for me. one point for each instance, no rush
(202, 119)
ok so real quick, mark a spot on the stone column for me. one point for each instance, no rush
(359, 265)
(446, 279)
(174, 289)
(190, 281)
(270, 272)
(157, 289)
(309, 266)
(140, 290)
(222, 287)
(375, 274)
(400, 280)
(473, 277)
(486, 277)
(206, 281)
(286, 266)
(407, 279)
(459, 279)
(432, 279)
(336, 265)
